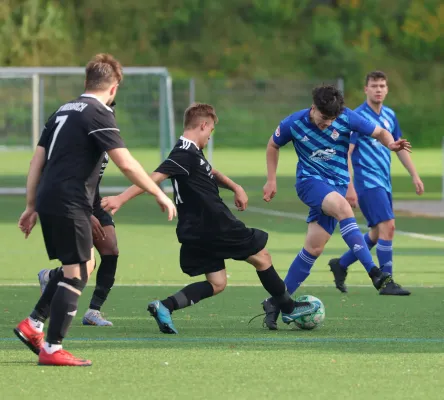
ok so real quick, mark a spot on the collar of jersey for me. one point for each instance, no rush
(93, 96)
(188, 140)
(367, 106)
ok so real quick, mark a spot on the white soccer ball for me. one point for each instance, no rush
(314, 320)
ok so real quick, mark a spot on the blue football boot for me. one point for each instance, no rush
(300, 309)
(162, 316)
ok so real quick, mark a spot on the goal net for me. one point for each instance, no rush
(144, 111)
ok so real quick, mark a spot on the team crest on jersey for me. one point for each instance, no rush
(277, 132)
(335, 134)
(386, 123)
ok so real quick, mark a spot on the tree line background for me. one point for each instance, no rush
(252, 39)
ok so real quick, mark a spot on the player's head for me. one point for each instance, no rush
(103, 75)
(376, 87)
(328, 104)
(199, 120)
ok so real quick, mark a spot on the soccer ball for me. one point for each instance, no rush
(310, 321)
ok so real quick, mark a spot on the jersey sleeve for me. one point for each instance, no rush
(282, 135)
(359, 124)
(44, 138)
(104, 132)
(178, 163)
(397, 133)
(354, 137)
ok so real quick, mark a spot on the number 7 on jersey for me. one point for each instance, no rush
(60, 121)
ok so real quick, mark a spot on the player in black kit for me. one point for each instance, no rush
(61, 186)
(207, 229)
(105, 241)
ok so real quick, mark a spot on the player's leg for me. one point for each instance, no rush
(384, 249)
(275, 286)
(335, 205)
(318, 234)
(194, 261)
(106, 273)
(376, 208)
(70, 241)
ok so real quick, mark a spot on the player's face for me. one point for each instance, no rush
(320, 120)
(376, 90)
(206, 128)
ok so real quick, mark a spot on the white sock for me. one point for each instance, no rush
(36, 324)
(52, 348)
(90, 310)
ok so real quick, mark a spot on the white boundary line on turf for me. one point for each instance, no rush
(302, 217)
(149, 285)
(257, 210)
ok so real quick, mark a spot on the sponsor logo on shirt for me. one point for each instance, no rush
(323, 155)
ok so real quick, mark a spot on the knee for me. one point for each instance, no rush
(314, 250)
(219, 285)
(387, 230)
(111, 251)
(262, 260)
(343, 210)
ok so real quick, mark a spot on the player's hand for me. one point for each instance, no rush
(97, 229)
(270, 190)
(400, 144)
(419, 186)
(111, 204)
(166, 204)
(27, 221)
(240, 198)
(352, 197)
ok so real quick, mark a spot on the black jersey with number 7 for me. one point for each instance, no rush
(75, 138)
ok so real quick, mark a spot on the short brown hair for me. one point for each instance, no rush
(195, 112)
(102, 71)
(375, 75)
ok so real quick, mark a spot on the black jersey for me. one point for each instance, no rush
(75, 138)
(202, 213)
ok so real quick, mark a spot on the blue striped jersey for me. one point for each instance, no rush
(322, 154)
(371, 160)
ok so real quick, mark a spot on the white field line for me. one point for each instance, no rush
(303, 217)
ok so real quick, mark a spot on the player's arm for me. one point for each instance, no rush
(368, 128)
(132, 169)
(240, 196)
(114, 203)
(386, 138)
(281, 137)
(28, 218)
(351, 195)
(407, 162)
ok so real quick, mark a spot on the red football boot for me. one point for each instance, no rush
(30, 336)
(62, 358)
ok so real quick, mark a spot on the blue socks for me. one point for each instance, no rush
(348, 258)
(384, 252)
(355, 241)
(299, 270)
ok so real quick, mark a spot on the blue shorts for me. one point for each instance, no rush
(376, 205)
(312, 192)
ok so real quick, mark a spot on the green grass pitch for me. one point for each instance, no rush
(369, 347)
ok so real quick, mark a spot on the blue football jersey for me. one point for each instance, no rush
(322, 154)
(371, 160)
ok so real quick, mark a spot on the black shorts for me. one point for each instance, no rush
(203, 257)
(69, 240)
(104, 218)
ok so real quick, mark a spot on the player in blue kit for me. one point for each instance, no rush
(321, 136)
(372, 187)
